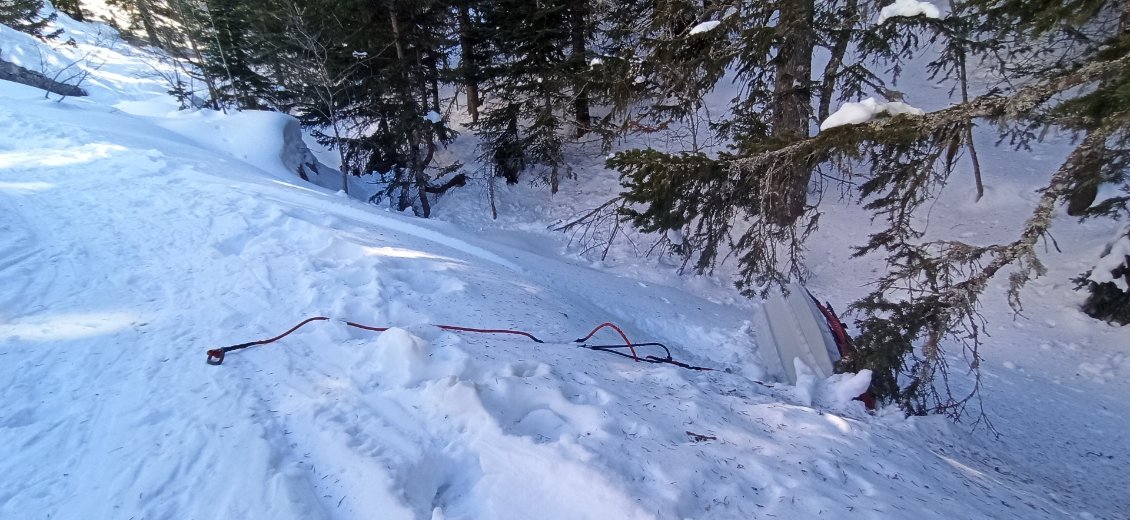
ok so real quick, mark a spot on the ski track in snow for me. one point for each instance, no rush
(127, 249)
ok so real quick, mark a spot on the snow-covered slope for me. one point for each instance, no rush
(134, 237)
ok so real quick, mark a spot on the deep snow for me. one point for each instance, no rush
(134, 237)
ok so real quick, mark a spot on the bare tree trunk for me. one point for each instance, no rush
(418, 138)
(396, 34)
(223, 57)
(469, 61)
(792, 108)
(1124, 26)
(964, 79)
(146, 15)
(191, 25)
(73, 8)
(554, 177)
(839, 50)
(977, 179)
(433, 81)
(577, 15)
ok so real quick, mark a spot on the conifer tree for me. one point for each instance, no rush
(533, 56)
(1061, 65)
(143, 13)
(26, 16)
(73, 8)
(365, 77)
(768, 50)
(228, 51)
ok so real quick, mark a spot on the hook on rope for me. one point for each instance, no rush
(216, 356)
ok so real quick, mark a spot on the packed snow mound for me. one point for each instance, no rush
(398, 358)
(908, 8)
(866, 110)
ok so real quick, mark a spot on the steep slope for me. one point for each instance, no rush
(134, 237)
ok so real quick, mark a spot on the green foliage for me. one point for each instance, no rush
(1060, 64)
(229, 52)
(1106, 300)
(73, 8)
(25, 16)
(672, 192)
(531, 75)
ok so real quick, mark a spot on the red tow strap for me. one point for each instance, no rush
(216, 356)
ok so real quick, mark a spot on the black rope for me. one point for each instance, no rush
(667, 359)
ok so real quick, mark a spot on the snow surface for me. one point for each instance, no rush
(133, 237)
(866, 110)
(909, 8)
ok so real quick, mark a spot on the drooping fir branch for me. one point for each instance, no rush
(930, 292)
(1020, 105)
(24, 16)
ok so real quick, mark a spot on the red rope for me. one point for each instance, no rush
(490, 331)
(366, 327)
(617, 329)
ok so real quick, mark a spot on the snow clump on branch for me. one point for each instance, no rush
(866, 110)
(705, 27)
(909, 8)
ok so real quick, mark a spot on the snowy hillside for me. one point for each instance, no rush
(134, 237)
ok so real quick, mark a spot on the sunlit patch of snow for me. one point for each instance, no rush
(56, 327)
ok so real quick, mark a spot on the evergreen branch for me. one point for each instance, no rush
(847, 139)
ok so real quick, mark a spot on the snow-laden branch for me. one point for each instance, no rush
(990, 106)
(908, 8)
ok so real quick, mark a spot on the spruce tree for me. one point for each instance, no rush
(1061, 65)
(26, 16)
(365, 78)
(73, 8)
(532, 73)
(229, 52)
(768, 50)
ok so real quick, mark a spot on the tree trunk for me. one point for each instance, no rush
(73, 8)
(469, 60)
(146, 15)
(433, 81)
(191, 26)
(418, 137)
(12, 72)
(785, 198)
(838, 51)
(1124, 26)
(1084, 188)
(554, 180)
(578, 33)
